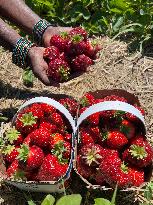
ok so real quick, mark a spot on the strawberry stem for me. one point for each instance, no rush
(28, 119)
(23, 152)
(138, 151)
(12, 134)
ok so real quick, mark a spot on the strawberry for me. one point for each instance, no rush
(40, 137)
(67, 137)
(36, 110)
(62, 151)
(76, 46)
(132, 117)
(70, 104)
(10, 153)
(92, 48)
(58, 70)
(47, 109)
(51, 53)
(55, 139)
(86, 137)
(114, 171)
(114, 98)
(137, 176)
(96, 134)
(78, 31)
(51, 169)
(92, 154)
(87, 99)
(26, 122)
(60, 41)
(30, 157)
(140, 153)
(115, 139)
(13, 136)
(81, 63)
(27, 140)
(57, 119)
(127, 128)
(84, 170)
(13, 168)
(92, 119)
(46, 124)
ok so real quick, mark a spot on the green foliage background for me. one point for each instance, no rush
(107, 17)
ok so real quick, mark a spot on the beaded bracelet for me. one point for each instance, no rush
(20, 52)
(39, 29)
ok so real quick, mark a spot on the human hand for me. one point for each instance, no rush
(50, 31)
(39, 65)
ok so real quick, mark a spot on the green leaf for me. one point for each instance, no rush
(118, 24)
(28, 77)
(74, 199)
(49, 200)
(101, 201)
(31, 202)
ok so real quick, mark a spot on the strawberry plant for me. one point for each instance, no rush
(113, 18)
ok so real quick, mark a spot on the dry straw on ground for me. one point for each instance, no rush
(114, 69)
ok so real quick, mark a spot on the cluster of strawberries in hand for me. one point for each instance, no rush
(38, 147)
(112, 147)
(70, 53)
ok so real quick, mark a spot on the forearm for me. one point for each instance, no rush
(8, 36)
(18, 12)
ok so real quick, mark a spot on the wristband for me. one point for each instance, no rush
(20, 52)
(39, 29)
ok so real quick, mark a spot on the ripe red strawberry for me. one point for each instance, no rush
(114, 171)
(58, 70)
(47, 109)
(26, 122)
(96, 134)
(78, 31)
(84, 170)
(86, 137)
(13, 136)
(92, 48)
(36, 110)
(76, 46)
(140, 153)
(27, 140)
(92, 119)
(132, 117)
(87, 99)
(70, 104)
(30, 157)
(57, 119)
(40, 137)
(115, 139)
(81, 63)
(60, 41)
(10, 153)
(51, 53)
(137, 176)
(51, 169)
(92, 154)
(114, 98)
(55, 139)
(127, 128)
(67, 137)
(46, 124)
(13, 168)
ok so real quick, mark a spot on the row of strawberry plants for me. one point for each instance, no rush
(111, 18)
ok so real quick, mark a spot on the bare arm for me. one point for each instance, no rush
(8, 36)
(19, 13)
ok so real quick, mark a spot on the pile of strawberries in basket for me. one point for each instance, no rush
(69, 53)
(38, 147)
(112, 147)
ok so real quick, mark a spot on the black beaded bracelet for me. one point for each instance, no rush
(39, 29)
(20, 52)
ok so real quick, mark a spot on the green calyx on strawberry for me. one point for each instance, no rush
(19, 175)
(13, 136)
(77, 38)
(58, 150)
(28, 119)
(87, 99)
(23, 153)
(138, 151)
(124, 168)
(8, 149)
